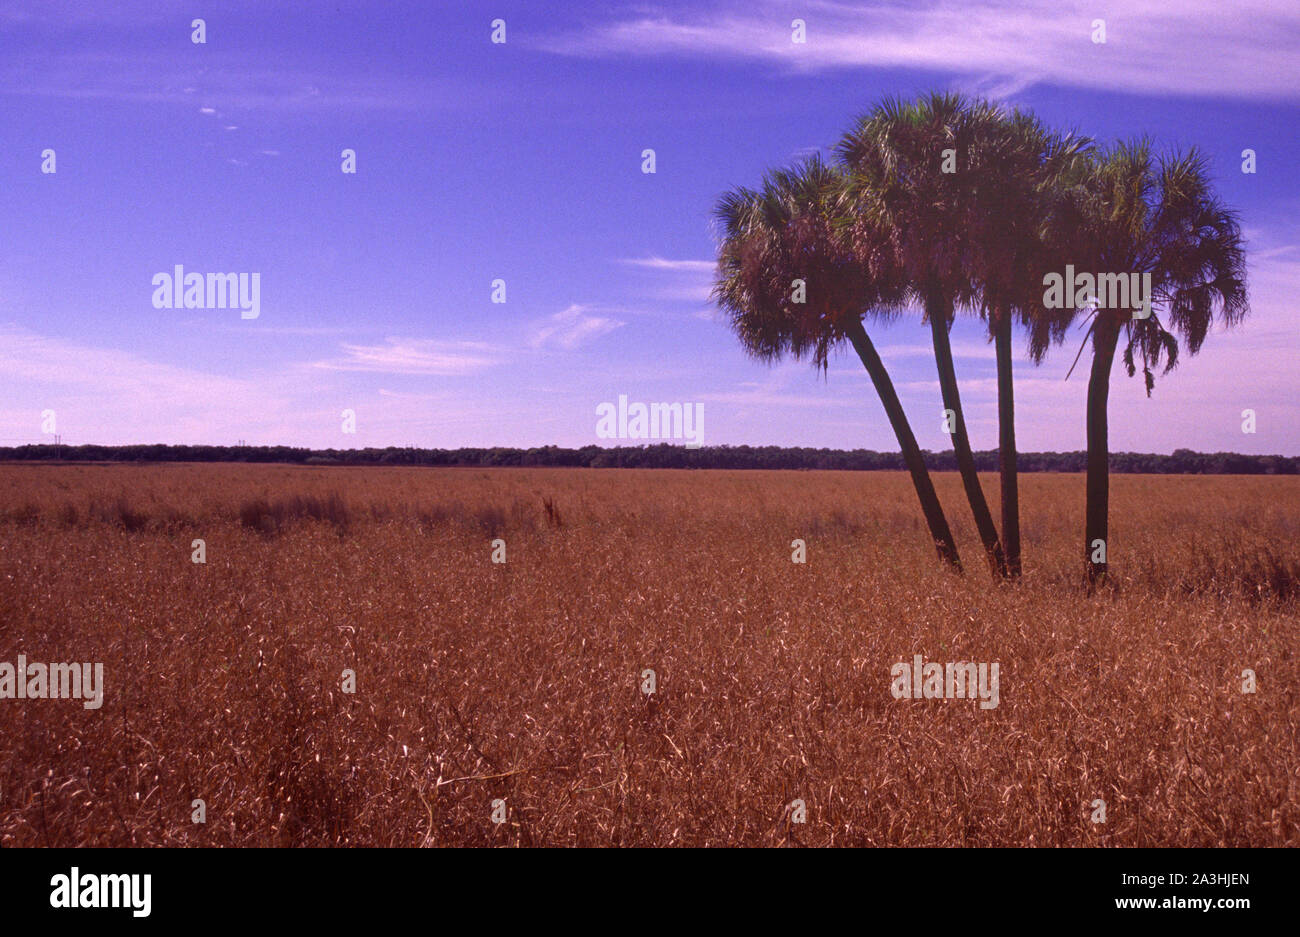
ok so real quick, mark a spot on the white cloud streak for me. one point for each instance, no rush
(1246, 49)
(414, 356)
(572, 328)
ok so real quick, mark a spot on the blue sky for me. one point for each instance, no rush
(522, 161)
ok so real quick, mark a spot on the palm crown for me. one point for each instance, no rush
(792, 228)
(892, 156)
(1159, 215)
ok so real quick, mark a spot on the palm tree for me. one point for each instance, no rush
(1017, 168)
(894, 157)
(792, 230)
(1137, 213)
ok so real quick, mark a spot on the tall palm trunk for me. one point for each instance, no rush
(937, 312)
(925, 493)
(1007, 446)
(1096, 524)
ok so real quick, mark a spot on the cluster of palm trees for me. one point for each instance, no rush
(951, 205)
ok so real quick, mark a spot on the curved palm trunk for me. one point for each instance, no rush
(938, 524)
(937, 314)
(1007, 447)
(1096, 523)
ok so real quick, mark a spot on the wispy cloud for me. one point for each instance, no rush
(414, 356)
(675, 266)
(1197, 47)
(959, 350)
(219, 90)
(775, 390)
(685, 280)
(103, 394)
(573, 327)
(26, 355)
(264, 330)
(763, 397)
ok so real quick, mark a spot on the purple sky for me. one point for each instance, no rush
(522, 161)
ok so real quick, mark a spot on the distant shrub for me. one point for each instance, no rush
(439, 515)
(131, 519)
(119, 513)
(268, 517)
(25, 514)
(492, 520)
(257, 515)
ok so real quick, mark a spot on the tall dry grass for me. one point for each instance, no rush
(521, 681)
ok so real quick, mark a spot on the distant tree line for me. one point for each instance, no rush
(664, 455)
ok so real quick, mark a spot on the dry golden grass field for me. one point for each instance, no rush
(521, 681)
